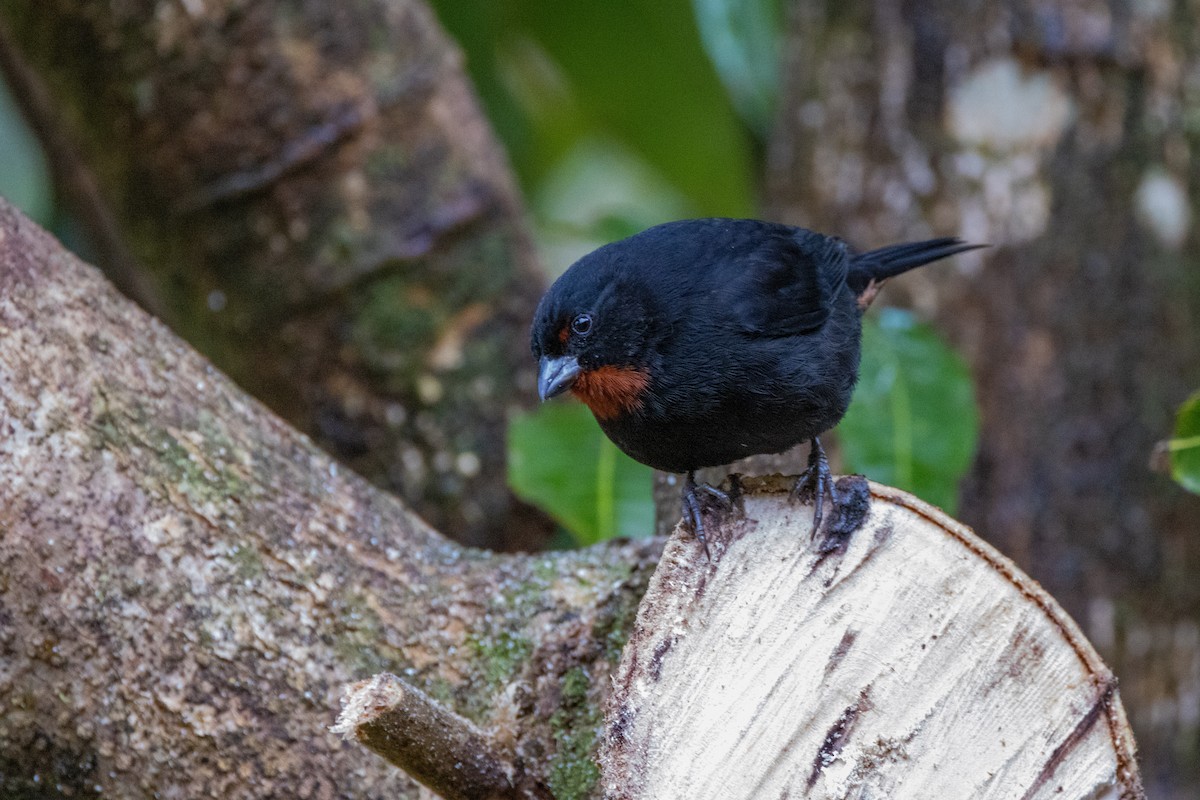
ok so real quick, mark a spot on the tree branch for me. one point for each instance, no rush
(322, 204)
(443, 750)
(188, 582)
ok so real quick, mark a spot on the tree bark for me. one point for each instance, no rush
(908, 660)
(1059, 132)
(310, 195)
(187, 582)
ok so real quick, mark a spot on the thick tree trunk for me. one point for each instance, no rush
(1060, 132)
(310, 195)
(186, 583)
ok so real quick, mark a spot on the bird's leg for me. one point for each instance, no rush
(815, 482)
(693, 509)
(693, 512)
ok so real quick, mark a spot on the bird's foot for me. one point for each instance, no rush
(694, 506)
(815, 482)
(849, 513)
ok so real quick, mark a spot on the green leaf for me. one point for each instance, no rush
(24, 176)
(555, 74)
(600, 192)
(742, 38)
(913, 422)
(1185, 446)
(560, 460)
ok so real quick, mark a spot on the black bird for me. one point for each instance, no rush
(699, 342)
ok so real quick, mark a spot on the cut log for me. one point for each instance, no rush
(908, 660)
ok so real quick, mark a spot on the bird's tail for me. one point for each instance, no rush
(877, 266)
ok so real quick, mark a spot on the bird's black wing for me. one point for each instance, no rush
(787, 284)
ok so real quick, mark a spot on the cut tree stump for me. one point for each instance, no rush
(910, 660)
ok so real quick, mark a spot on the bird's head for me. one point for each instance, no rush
(593, 335)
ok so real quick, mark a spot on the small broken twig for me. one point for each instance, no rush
(446, 752)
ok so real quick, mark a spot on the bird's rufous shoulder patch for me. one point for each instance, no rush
(611, 391)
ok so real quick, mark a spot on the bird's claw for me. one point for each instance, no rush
(723, 499)
(815, 482)
(693, 508)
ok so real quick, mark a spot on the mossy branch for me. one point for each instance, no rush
(188, 582)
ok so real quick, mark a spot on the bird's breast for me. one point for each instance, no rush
(612, 391)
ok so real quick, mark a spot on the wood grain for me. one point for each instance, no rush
(916, 662)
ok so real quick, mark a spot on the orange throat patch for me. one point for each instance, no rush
(611, 391)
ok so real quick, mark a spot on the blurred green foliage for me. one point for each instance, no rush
(612, 114)
(561, 460)
(1184, 446)
(913, 422)
(24, 176)
(742, 37)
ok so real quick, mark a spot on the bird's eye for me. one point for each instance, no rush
(582, 325)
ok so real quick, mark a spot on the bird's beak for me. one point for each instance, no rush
(555, 375)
